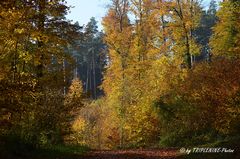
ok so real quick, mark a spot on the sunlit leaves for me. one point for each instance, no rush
(33, 40)
(225, 41)
(75, 91)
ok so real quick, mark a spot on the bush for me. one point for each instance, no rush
(204, 108)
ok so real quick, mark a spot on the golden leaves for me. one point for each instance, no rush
(225, 39)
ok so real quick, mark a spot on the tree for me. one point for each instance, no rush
(204, 31)
(225, 40)
(185, 19)
(31, 59)
(93, 53)
(141, 55)
(75, 93)
(89, 54)
(117, 29)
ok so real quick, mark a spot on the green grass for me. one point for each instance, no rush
(61, 151)
(47, 152)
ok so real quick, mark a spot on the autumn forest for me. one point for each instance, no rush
(162, 74)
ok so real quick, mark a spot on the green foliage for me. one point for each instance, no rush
(89, 53)
(75, 94)
(151, 83)
(14, 147)
(225, 40)
(33, 39)
(198, 111)
(94, 126)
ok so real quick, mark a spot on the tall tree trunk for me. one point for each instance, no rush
(187, 43)
(94, 76)
(14, 65)
(41, 20)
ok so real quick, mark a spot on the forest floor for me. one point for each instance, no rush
(81, 152)
(134, 154)
(166, 153)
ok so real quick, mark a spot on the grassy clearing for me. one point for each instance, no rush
(47, 152)
(61, 151)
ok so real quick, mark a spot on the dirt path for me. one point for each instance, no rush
(134, 154)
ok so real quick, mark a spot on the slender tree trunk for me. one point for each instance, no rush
(191, 30)
(15, 62)
(41, 20)
(64, 77)
(87, 80)
(90, 78)
(187, 44)
(94, 76)
(121, 11)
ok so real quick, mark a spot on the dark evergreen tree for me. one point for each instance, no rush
(204, 32)
(90, 56)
